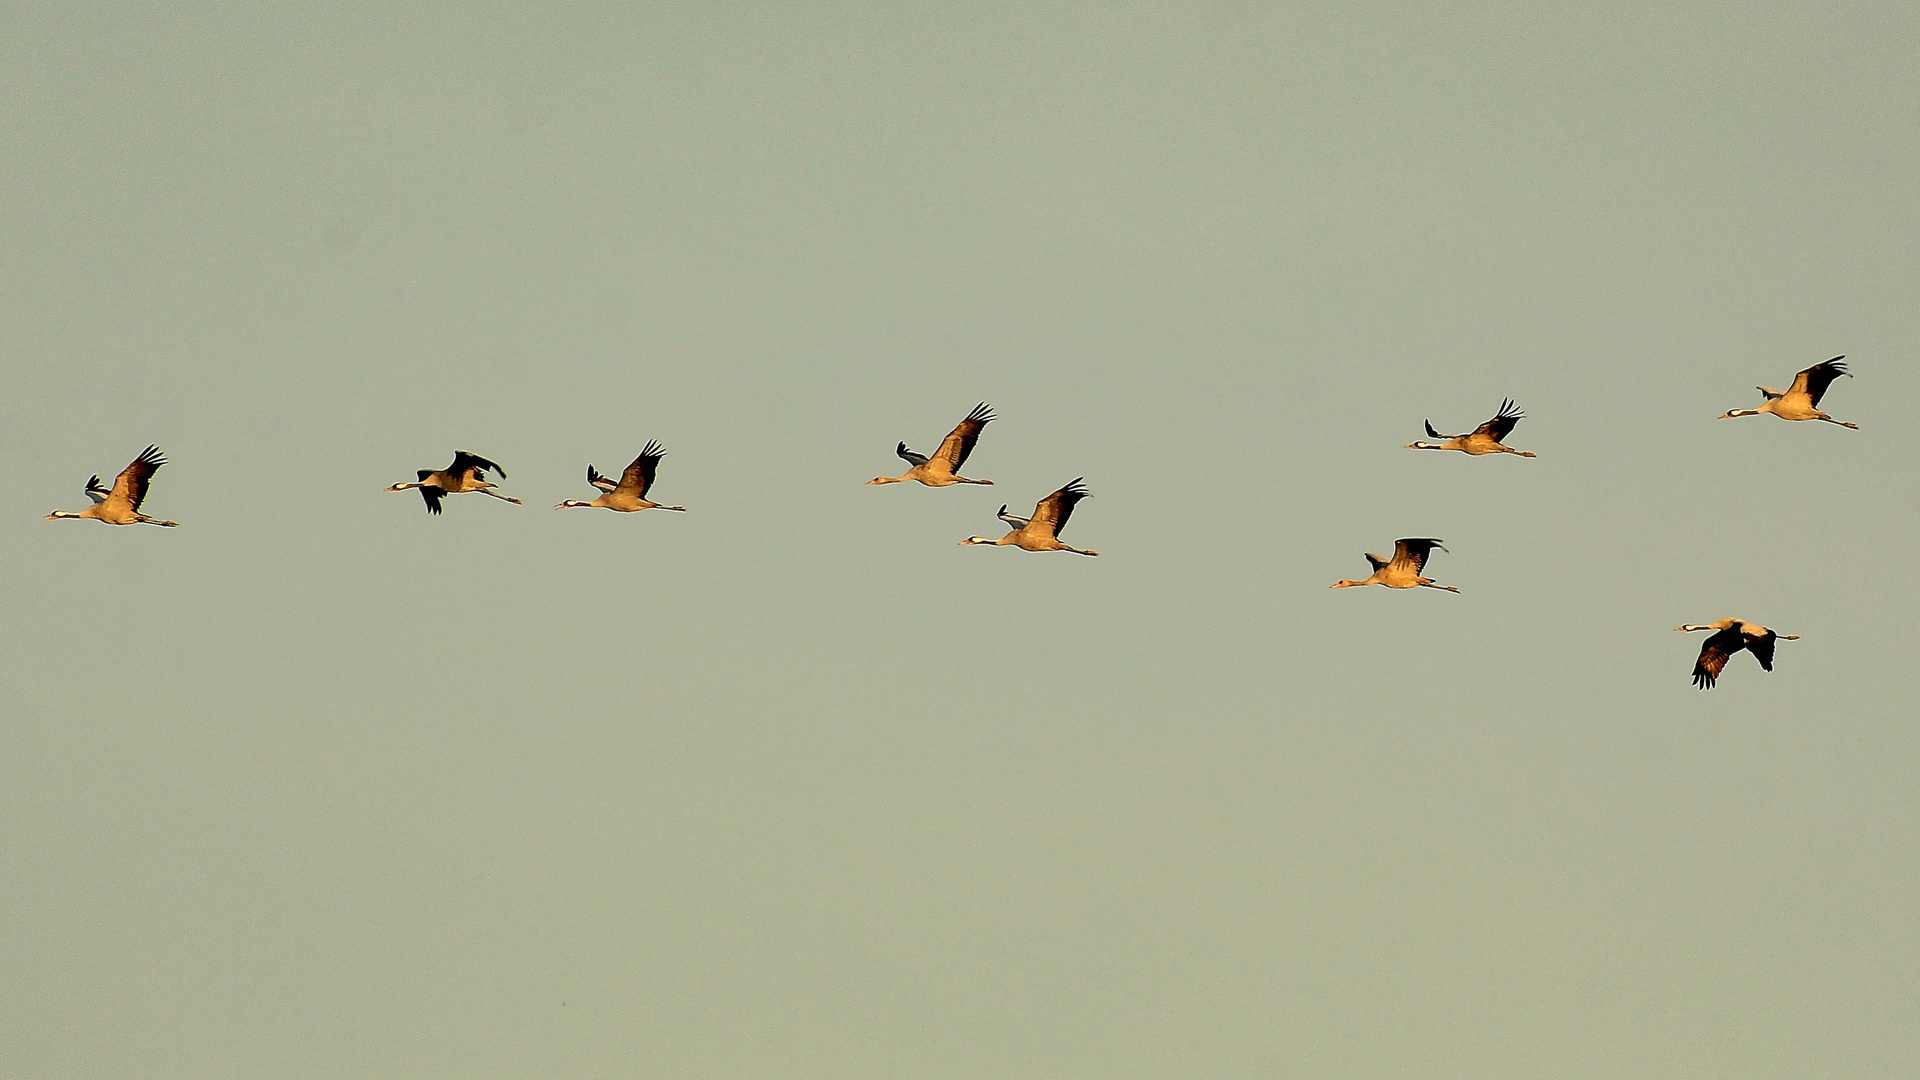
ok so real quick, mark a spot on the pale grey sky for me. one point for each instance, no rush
(794, 785)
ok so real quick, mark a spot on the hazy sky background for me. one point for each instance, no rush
(793, 785)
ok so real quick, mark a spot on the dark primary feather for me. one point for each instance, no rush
(1376, 562)
(462, 461)
(913, 459)
(1414, 550)
(1503, 421)
(1821, 375)
(596, 478)
(959, 442)
(95, 487)
(1762, 649)
(1016, 522)
(432, 495)
(1432, 434)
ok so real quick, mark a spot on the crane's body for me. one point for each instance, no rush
(943, 468)
(467, 473)
(120, 504)
(1730, 636)
(1801, 401)
(1041, 532)
(629, 495)
(1485, 439)
(1403, 570)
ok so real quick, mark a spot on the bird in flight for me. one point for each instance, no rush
(1041, 532)
(943, 468)
(1403, 570)
(120, 504)
(467, 473)
(1801, 401)
(1484, 439)
(630, 494)
(1731, 636)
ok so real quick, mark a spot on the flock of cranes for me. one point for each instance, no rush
(120, 504)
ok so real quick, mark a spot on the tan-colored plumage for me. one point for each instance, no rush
(1484, 439)
(1041, 532)
(943, 468)
(1733, 635)
(120, 505)
(467, 473)
(1403, 570)
(1801, 401)
(630, 494)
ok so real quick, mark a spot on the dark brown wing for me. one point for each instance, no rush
(1378, 563)
(432, 495)
(1713, 656)
(1760, 645)
(638, 478)
(959, 442)
(131, 485)
(463, 461)
(1817, 378)
(1413, 550)
(1051, 513)
(1502, 423)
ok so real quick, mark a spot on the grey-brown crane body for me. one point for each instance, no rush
(1485, 439)
(943, 468)
(1403, 570)
(630, 494)
(467, 473)
(120, 504)
(1731, 636)
(1041, 532)
(1801, 401)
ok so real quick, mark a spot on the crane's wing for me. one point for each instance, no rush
(1713, 656)
(911, 458)
(1761, 646)
(639, 476)
(130, 487)
(1432, 434)
(1502, 423)
(1817, 378)
(959, 442)
(1016, 522)
(600, 480)
(1051, 513)
(431, 494)
(96, 490)
(463, 461)
(1376, 561)
(1413, 551)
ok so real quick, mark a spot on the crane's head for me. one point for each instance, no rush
(400, 487)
